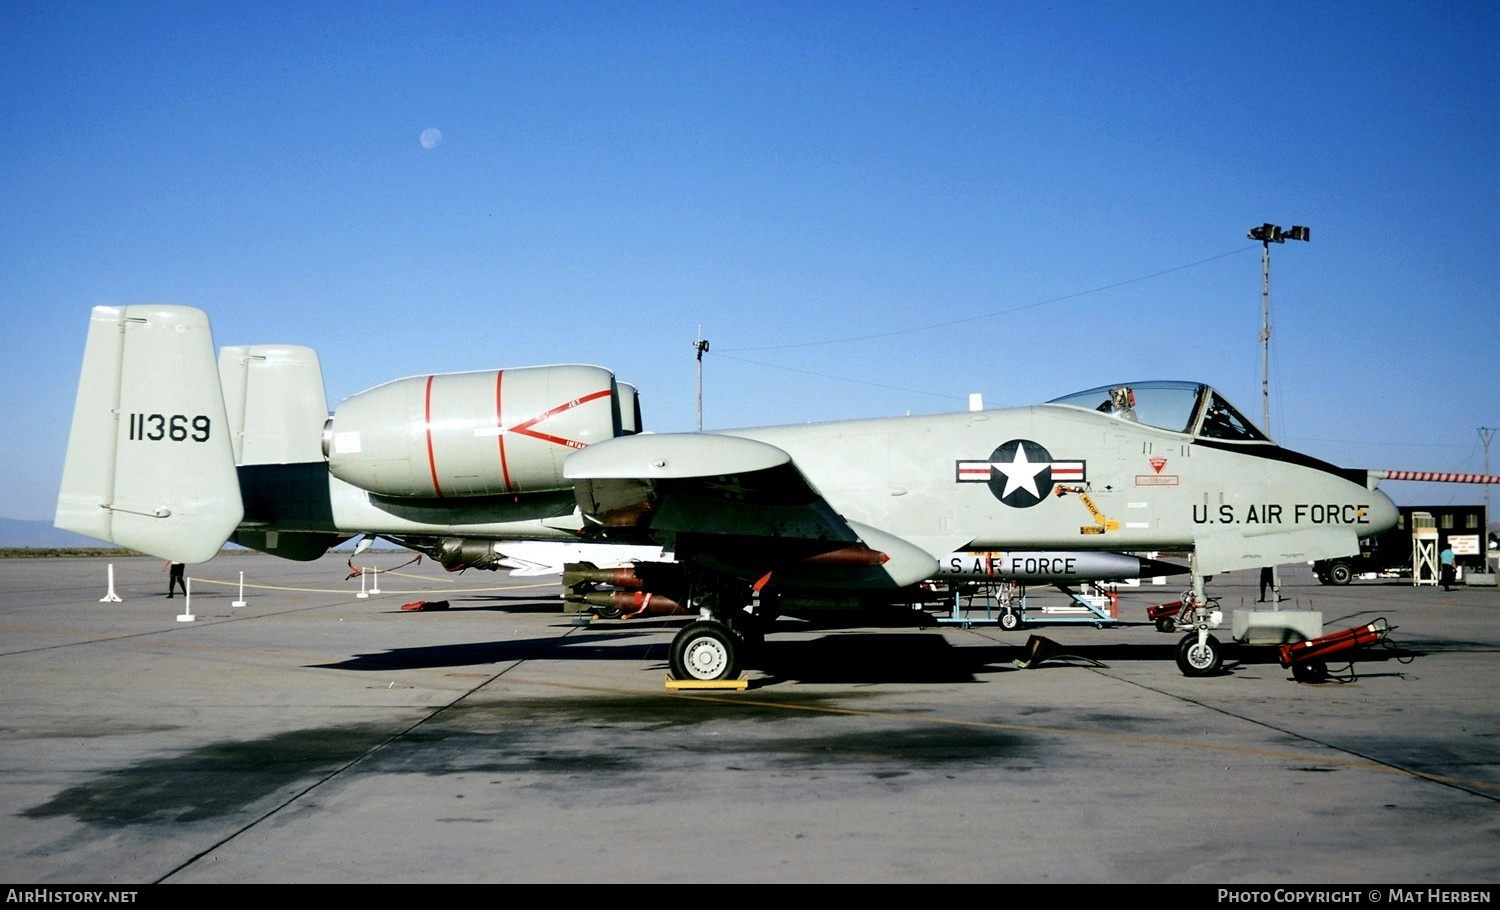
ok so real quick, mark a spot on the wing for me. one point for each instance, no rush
(735, 506)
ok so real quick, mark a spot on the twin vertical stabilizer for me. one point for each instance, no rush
(150, 465)
(276, 403)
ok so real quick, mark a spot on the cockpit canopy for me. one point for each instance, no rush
(1182, 407)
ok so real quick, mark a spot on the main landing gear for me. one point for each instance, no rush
(712, 647)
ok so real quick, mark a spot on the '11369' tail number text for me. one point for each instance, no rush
(176, 427)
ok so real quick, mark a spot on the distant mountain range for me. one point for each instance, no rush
(41, 535)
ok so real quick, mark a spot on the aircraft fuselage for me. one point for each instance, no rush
(1059, 477)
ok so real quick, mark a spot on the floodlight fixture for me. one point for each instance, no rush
(701, 346)
(1272, 233)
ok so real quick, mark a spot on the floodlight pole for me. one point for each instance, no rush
(1485, 435)
(1268, 234)
(701, 345)
(1265, 338)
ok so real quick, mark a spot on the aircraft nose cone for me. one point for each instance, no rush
(1383, 513)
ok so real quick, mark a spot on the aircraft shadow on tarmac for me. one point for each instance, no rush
(490, 603)
(585, 647)
(842, 656)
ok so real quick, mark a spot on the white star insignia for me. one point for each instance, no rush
(1020, 473)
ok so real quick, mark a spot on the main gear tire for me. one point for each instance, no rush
(705, 651)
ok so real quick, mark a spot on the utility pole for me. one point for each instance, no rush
(701, 346)
(1268, 234)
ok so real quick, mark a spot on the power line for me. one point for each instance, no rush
(968, 319)
(864, 382)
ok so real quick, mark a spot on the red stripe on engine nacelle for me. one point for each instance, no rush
(500, 440)
(431, 457)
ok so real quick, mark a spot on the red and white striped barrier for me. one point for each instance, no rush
(1437, 477)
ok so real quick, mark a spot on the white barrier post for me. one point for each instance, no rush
(111, 597)
(362, 592)
(187, 590)
(375, 578)
(241, 601)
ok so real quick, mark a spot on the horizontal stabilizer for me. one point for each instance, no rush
(149, 464)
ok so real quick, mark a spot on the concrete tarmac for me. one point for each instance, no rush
(315, 736)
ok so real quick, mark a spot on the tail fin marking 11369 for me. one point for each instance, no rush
(150, 464)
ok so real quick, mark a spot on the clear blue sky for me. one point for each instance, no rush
(869, 208)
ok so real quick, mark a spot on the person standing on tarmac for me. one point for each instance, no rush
(1268, 581)
(1445, 570)
(175, 579)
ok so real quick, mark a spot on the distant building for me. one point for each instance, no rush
(1391, 554)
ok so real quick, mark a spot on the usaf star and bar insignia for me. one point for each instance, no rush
(1021, 473)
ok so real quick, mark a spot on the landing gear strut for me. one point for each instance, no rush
(1199, 653)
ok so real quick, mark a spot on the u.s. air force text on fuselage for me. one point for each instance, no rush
(1275, 513)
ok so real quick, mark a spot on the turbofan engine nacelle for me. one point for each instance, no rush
(472, 434)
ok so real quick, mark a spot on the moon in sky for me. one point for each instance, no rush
(431, 138)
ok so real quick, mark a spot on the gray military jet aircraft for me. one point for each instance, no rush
(173, 452)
